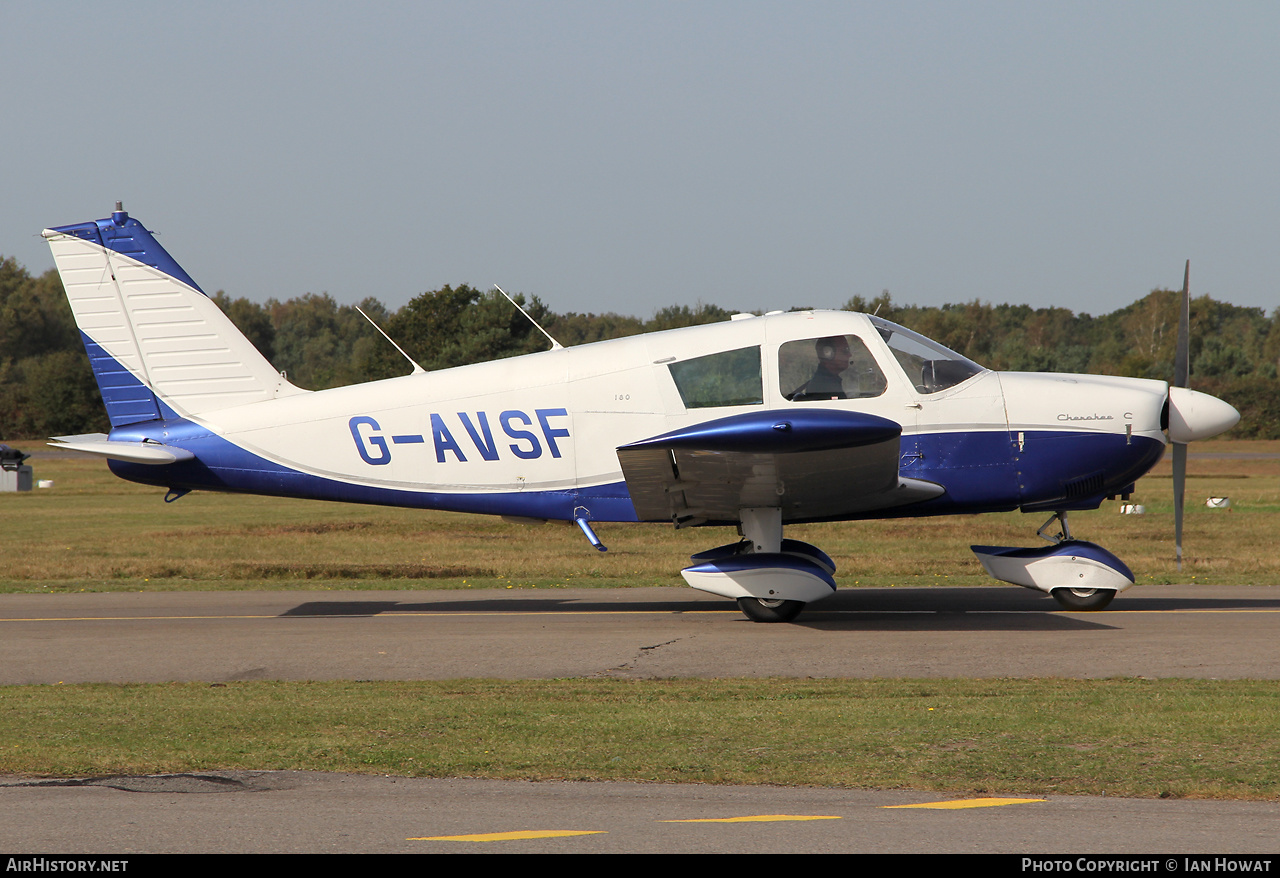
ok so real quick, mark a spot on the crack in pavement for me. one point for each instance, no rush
(249, 782)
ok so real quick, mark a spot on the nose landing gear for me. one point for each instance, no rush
(764, 610)
(1081, 576)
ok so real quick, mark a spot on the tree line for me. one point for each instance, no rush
(47, 387)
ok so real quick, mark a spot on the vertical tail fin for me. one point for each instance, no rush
(154, 339)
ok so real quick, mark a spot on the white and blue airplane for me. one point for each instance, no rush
(754, 423)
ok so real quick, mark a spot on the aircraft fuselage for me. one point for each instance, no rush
(535, 436)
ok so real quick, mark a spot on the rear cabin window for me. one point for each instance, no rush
(833, 367)
(726, 378)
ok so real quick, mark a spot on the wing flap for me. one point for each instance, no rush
(815, 464)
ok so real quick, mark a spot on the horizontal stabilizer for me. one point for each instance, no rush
(152, 453)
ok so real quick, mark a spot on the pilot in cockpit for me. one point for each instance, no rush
(833, 360)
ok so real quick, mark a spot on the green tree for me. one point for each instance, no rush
(252, 319)
(319, 344)
(881, 306)
(575, 329)
(53, 394)
(676, 316)
(456, 326)
(34, 315)
(46, 385)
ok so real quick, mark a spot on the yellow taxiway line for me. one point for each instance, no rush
(958, 804)
(518, 835)
(756, 818)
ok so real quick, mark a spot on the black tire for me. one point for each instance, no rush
(762, 610)
(1083, 599)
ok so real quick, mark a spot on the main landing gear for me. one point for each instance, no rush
(1080, 575)
(771, 578)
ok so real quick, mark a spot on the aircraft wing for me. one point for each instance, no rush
(814, 463)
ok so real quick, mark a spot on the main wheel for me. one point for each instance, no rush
(1083, 598)
(765, 610)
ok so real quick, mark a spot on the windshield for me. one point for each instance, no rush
(929, 366)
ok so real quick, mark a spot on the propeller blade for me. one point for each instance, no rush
(1181, 362)
(1179, 491)
(1181, 375)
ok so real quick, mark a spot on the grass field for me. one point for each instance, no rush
(1168, 738)
(92, 531)
(1181, 738)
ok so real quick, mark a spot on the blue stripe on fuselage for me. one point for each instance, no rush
(985, 471)
(976, 468)
(221, 465)
(969, 465)
(1050, 460)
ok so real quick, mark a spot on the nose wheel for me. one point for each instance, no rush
(1083, 599)
(765, 610)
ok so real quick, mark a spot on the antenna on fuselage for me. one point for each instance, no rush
(416, 368)
(555, 345)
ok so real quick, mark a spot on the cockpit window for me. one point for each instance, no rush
(834, 367)
(726, 378)
(929, 366)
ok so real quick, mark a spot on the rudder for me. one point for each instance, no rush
(154, 339)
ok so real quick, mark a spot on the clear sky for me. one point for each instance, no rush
(623, 156)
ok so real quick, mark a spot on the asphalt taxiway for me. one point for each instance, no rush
(331, 813)
(1214, 632)
(1153, 631)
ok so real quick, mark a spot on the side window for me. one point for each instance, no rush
(727, 378)
(834, 367)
